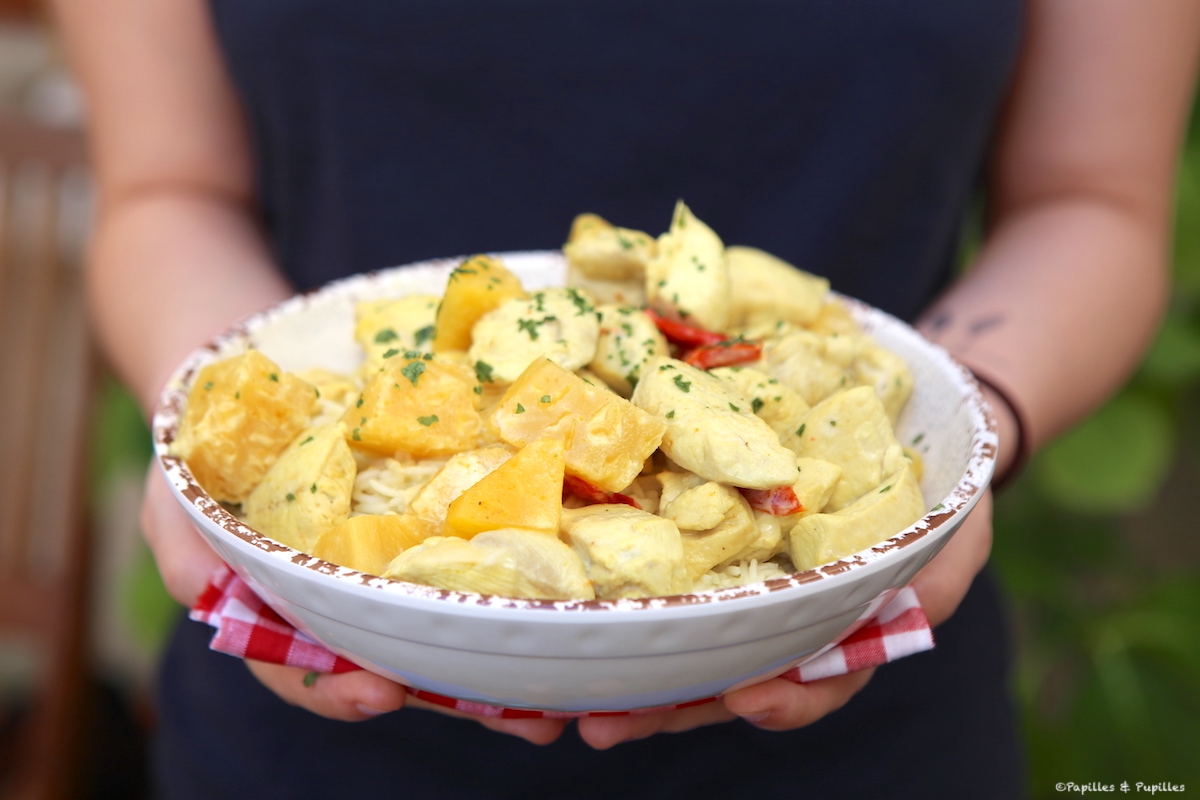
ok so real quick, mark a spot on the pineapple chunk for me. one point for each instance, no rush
(369, 542)
(459, 473)
(418, 406)
(509, 563)
(607, 438)
(307, 490)
(523, 492)
(475, 287)
(241, 414)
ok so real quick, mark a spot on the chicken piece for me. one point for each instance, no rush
(306, 491)
(509, 563)
(780, 406)
(689, 279)
(627, 552)
(769, 542)
(815, 482)
(460, 472)
(241, 413)
(705, 548)
(887, 372)
(559, 324)
(710, 429)
(851, 429)
(879, 514)
(399, 324)
(607, 438)
(765, 287)
(815, 366)
(628, 339)
(835, 318)
(607, 261)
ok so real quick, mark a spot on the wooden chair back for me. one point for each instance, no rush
(47, 384)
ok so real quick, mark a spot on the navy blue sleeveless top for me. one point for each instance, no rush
(845, 136)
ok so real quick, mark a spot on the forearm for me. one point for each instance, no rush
(1059, 308)
(168, 269)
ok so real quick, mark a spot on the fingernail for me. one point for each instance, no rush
(757, 716)
(368, 710)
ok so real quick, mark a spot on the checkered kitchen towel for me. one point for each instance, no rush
(247, 627)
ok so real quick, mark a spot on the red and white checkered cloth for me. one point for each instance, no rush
(249, 628)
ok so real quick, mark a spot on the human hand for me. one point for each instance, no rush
(186, 563)
(779, 704)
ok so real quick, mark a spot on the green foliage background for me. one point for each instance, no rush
(1099, 548)
(1097, 545)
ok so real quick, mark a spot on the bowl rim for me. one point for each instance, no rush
(942, 517)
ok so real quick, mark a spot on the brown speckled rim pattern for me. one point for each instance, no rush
(173, 399)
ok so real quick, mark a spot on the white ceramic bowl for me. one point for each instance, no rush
(578, 656)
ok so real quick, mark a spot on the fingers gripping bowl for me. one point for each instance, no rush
(579, 655)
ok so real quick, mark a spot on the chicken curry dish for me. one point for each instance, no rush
(681, 416)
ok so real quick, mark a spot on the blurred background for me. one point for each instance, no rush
(1097, 543)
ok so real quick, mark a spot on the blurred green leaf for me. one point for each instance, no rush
(121, 439)
(1174, 358)
(149, 610)
(1113, 462)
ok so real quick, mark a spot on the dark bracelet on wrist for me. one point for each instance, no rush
(1021, 447)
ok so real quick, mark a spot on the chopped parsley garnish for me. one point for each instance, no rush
(291, 498)
(354, 435)
(520, 408)
(274, 376)
(735, 408)
(886, 488)
(208, 386)
(413, 370)
(800, 430)
(391, 351)
(359, 403)
(313, 489)
(306, 441)
(427, 421)
(684, 386)
(424, 334)
(545, 398)
(386, 335)
(919, 437)
(483, 372)
(756, 404)
(671, 414)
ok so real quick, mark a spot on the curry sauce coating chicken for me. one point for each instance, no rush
(765, 288)
(716, 524)
(883, 511)
(628, 339)
(627, 552)
(689, 279)
(558, 324)
(608, 261)
(508, 562)
(710, 429)
(851, 429)
(779, 405)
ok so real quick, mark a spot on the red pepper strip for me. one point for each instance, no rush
(780, 502)
(725, 354)
(594, 494)
(682, 333)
